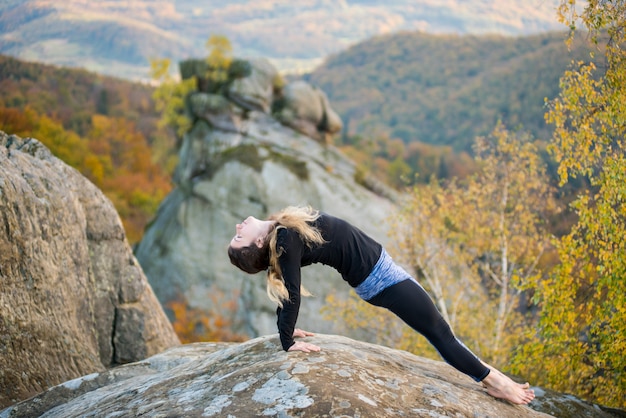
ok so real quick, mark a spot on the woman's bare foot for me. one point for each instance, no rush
(501, 386)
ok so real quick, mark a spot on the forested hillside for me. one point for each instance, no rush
(104, 127)
(446, 90)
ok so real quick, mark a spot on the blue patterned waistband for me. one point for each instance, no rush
(384, 274)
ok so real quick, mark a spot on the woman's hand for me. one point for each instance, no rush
(298, 333)
(302, 346)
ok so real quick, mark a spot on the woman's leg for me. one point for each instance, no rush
(410, 302)
(501, 386)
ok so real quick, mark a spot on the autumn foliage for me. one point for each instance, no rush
(579, 344)
(113, 155)
(213, 324)
(400, 164)
(104, 127)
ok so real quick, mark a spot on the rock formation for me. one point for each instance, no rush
(73, 299)
(256, 90)
(235, 161)
(307, 110)
(347, 378)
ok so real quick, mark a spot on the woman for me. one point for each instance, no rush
(297, 237)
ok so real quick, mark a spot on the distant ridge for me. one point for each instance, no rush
(118, 38)
(447, 89)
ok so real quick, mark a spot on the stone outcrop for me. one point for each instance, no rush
(239, 160)
(347, 378)
(73, 298)
(224, 176)
(256, 85)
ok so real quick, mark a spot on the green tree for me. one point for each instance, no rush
(580, 343)
(219, 58)
(169, 97)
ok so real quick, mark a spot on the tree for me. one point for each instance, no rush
(219, 58)
(215, 324)
(479, 243)
(428, 244)
(510, 201)
(169, 97)
(580, 344)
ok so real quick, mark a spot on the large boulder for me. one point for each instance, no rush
(73, 298)
(307, 109)
(347, 378)
(216, 110)
(256, 90)
(224, 176)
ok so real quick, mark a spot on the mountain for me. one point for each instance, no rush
(447, 89)
(119, 37)
(437, 90)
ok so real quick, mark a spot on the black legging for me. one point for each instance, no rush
(410, 302)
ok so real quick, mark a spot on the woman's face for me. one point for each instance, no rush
(250, 230)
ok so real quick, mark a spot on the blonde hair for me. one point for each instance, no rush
(298, 219)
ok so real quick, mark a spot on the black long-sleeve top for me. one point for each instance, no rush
(346, 248)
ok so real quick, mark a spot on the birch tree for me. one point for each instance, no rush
(580, 344)
(475, 246)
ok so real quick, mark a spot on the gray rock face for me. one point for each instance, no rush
(216, 110)
(224, 176)
(73, 298)
(347, 378)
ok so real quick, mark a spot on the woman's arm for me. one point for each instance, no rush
(299, 333)
(303, 346)
(289, 261)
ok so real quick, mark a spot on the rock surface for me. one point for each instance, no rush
(347, 378)
(73, 298)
